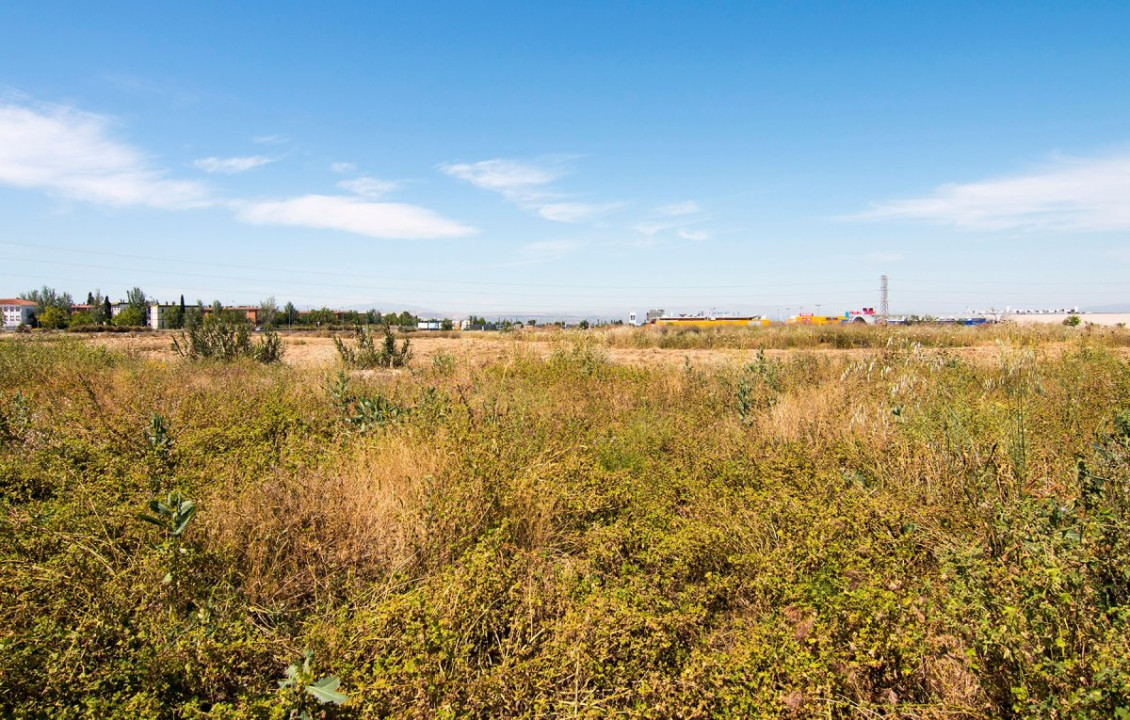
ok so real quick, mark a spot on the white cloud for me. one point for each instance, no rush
(349, 214)
(651, 229)
(369, 187)
(271, 139)
(70, 153)
(1071, 194)
(232, 165)
(690, 207)
(528, 186)
(695, 235)
(342, 167)
(573, 212)
(518, 182)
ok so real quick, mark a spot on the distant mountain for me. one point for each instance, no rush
(1114, 308)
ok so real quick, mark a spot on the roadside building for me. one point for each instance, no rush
(158, 315)
(16, 312)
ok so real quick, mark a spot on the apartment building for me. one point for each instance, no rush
(16, 312)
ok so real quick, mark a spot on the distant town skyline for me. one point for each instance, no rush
(573, 160)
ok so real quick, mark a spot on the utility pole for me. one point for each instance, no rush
(884, 308)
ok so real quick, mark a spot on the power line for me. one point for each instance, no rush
(483, 283)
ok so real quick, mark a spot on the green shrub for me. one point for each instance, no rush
(226, 336)
(367, 354)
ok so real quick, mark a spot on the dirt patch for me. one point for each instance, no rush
(481, 349)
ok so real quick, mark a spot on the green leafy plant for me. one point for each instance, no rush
(364, 412)
(367, 354)
(15, 418)
(173, 517)
(300, 691)
(269, 350)
(443, 364)
(225, 335)
(157, 436)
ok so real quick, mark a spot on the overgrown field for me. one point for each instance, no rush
(902, 533)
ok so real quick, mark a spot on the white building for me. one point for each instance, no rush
(16, 312)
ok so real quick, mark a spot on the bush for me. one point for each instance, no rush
(367, 355)
(80, 319)
(226, 336)
(1072, 321)
(130, 316)
(52, 318)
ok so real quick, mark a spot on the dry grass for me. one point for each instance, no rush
(550, 524)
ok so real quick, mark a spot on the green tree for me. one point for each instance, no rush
(290, 314)
(194, 315)
(52, 317)
(129, 316)
(107, 312)
(135, 298)
(268, 312)
(47, 297)
(80, 319)
(174, 318)
(447, 324)
(323, 316)
(97, 307)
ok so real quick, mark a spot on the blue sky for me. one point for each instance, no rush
(577, 158)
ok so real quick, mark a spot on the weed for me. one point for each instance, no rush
(226, 336)
(299, 690)
(158, 437)
(367, 354)
(904, 530)
(15, 418)
(443, 364)
(173, 517)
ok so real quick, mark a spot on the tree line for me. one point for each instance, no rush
(57, 310)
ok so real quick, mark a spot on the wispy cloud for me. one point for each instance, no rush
(232, 165)
(678, 218)
(689, 207)
(354, 215)
(694, 235)
(271, 139)
(528, 185)
(369, 187)
(343, 167)
(574, 212)
(71, 154)
(518, 182)
(1083, 194)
